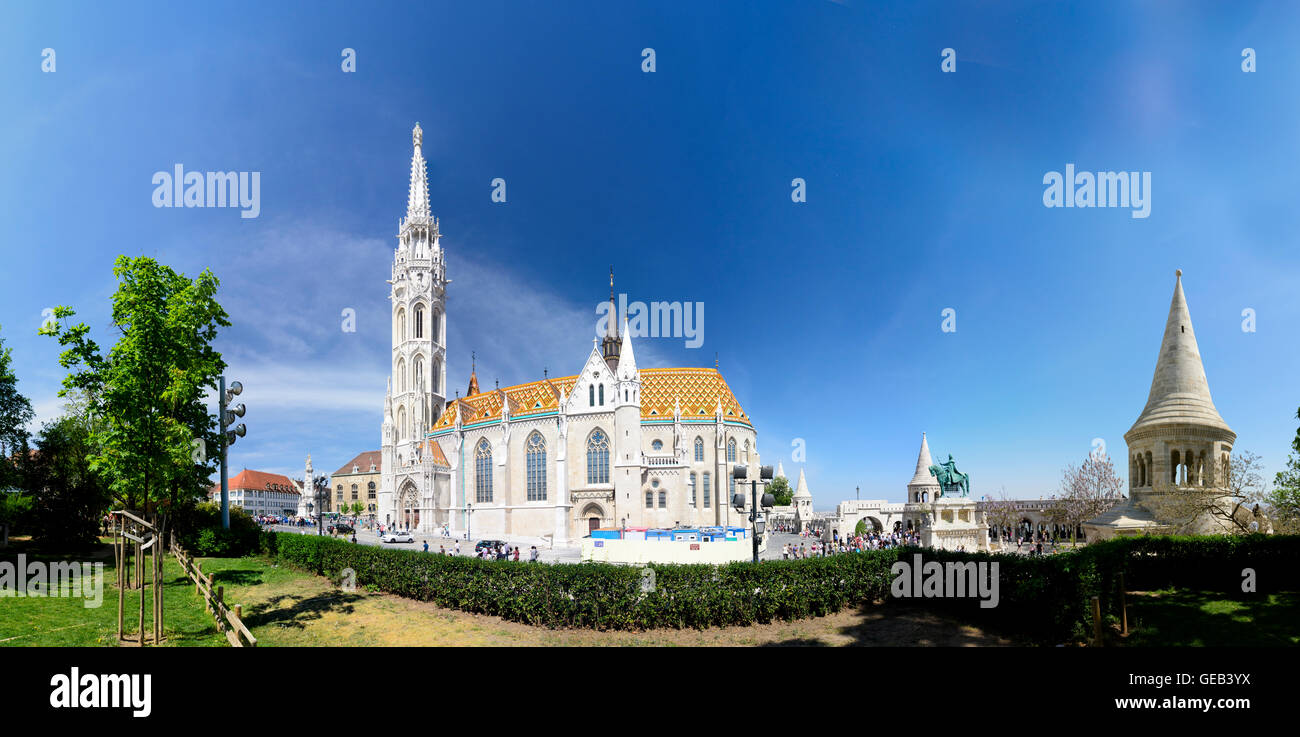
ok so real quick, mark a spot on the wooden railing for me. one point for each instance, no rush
(229, 621)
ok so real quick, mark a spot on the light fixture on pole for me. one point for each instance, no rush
(227, 417)
(758, 520)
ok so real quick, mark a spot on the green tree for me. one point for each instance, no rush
(147, 395)
(69, 497)
(15, 414)
(1283, 499)
(780, 488)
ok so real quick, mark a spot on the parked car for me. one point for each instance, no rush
(343, 528)
(489, 544)
(397, 537)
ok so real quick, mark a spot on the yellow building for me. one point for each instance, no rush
(356, 481)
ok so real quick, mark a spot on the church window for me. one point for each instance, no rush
(483, 472)
(657, 445)
(706, 489)
(597, 457)
(401, 325)
(691, 484)
(419, 322)
(419, 375)
(649, 500)
(591, 395)
(602, 395)
(370, 490)
(699, 450)
(401, 423)
(536, 467)
(434, 325)
(731, 450)
(663, 499)
(746, 451)
(436, 375)
(354, 492)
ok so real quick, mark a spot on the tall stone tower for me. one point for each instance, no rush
(627, 427)
(803, 503)
(417, 385)
(1179, 442)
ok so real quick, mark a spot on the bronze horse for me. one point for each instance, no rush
(950, 478)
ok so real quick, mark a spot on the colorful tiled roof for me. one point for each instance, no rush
(362, 462)
(697, 389)
(435, 454)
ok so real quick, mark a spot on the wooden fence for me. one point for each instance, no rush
(229, 620)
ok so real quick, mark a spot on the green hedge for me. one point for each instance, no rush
(1045, 599)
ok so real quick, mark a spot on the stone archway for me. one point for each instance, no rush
(408, 506)
(592, 517)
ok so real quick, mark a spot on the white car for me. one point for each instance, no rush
(397, 537)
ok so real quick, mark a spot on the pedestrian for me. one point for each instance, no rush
(458, 547)
(442, 550)
(533, 553)
(516, 553)
(426, 546)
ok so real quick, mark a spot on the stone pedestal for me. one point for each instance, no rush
(951, 523)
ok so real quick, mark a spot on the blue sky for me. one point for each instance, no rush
(924, 191)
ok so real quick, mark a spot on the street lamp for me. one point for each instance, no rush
(469, 516)
(228, 436)
(741, 471)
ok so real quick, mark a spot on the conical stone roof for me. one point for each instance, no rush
(1180, 393)
(922, 476)
(802, 489)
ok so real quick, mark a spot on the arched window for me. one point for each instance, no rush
(602, 395)
(706, 489)
(663, 499)
(691, 486)
(418, 384)
(435, 326)
(401, 325)
(597, 457)
(419, 321)
(591, 395)
(746, 451)
(483, 472)
(435, 376)
(731, 450)
(649, 500)
(354, 492)
(401, 423)
(370, 490)
(699, 450)
(536, 452)
(340, 492)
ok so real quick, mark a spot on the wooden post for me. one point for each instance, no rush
(139, 576)
(1123, 607)
(157, 592)
(198, 569)
(120, 551)
(1096, 620)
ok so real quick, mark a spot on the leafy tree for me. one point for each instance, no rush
(1283, 500)
(1002, 515)
(69, 497)
(147, 394)
(15, 414)
(780, 488)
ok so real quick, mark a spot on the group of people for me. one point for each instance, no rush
(497, 551)
(858, 543)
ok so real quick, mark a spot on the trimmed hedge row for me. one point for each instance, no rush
(1043, 599)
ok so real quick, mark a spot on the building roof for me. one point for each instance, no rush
(923, 463)
(435, 454)
(1180, 393)
(260, 480)
(698, 390)
(362, 462)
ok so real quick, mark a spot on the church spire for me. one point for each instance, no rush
(1180, 392)
(626, 359)
(610, 346)
(473, 375)
(417, 201)
(923, 463)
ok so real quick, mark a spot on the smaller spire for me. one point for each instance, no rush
(473, 375)
(801, 490)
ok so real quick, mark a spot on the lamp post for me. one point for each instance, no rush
(764, 476)
(469, 515)
(227, 417)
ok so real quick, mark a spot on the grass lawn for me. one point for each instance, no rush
(63, 621)
(1200, 619)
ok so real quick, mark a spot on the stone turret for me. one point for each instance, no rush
(923, 487)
